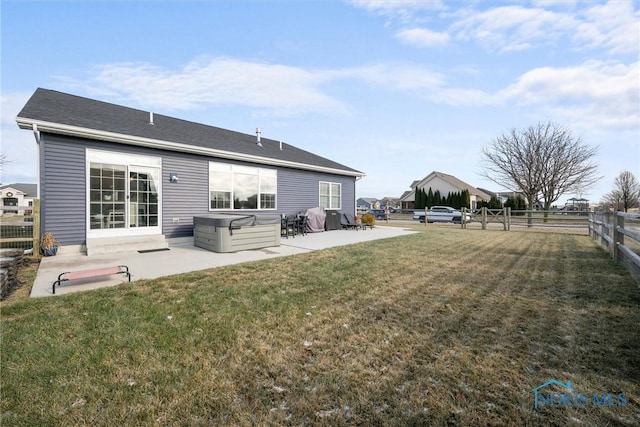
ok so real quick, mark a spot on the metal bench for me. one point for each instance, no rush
(86, 274)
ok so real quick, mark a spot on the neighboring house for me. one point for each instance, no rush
(111, 171)
(444, 183)
(504, 195)
(407, 200)
(19, 195)
(366, 203)
(389, 202)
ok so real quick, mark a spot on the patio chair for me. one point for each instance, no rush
(301, 224)
(288, 226)
(347, 221)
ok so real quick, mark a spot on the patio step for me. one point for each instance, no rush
(114, 245)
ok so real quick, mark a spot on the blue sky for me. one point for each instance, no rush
(396, 89)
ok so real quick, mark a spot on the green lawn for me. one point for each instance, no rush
(444, 327)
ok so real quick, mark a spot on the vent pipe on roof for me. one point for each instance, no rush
(258, 133)
(280, 145)
(151, 118)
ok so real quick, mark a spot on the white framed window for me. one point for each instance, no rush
(234, 187)
(330, 195)
(123, 194)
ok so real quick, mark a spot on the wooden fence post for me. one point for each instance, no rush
(618, 236)
(463, 218)
(507, 218)
(604, 231)
(504, 219)
(484, 218)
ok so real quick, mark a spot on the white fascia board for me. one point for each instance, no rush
(57, 128)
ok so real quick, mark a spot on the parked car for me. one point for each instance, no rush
(378, 213)
(441, 214)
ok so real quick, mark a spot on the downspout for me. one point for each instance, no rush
(355, 198)
(36, 134)
(37, 225)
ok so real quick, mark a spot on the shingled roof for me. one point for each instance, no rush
(457, 183)
(61, 113)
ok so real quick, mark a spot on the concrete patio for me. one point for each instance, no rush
(183, 257)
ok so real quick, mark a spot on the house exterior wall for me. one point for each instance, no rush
(63, 187)
(365, 204)
(441, 185)
(17, 196)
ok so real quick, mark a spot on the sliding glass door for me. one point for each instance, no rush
(143, 197)
(124, 194)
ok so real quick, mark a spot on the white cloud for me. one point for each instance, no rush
(421, 82)
(19, 145)
(398, 76)
(614, 26)
(595, 92)
(422, 37)
(403, 9)
(512, 28)
(280, 89)
(11, 103)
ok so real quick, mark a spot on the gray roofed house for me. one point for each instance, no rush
(17, 198)
(445, 184)
(366, 203)
(112, 171)
(25, 188)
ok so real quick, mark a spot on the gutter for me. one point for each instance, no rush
(56, 128)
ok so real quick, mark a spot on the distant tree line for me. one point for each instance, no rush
(515, 203)
(457, 199)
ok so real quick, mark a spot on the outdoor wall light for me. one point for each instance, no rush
(173, 177)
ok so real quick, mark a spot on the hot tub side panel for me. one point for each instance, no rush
(222, 238)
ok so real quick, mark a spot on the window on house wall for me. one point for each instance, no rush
(330, 195)
(107, 195)
(242, 187)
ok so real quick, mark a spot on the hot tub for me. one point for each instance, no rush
(235, 232)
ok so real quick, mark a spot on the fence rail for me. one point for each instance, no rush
(20, 231)
(485, 216)
(609, 230)
(508, 217)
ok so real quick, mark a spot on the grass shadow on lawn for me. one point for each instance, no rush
(446, 327)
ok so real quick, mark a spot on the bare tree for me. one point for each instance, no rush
(626, 193)
(4, 160)
(543, 162)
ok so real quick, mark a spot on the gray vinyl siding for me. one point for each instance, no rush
(297, 191)
(186, 198)
(63, 187)
(300, 190)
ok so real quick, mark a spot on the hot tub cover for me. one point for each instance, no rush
(235, 220)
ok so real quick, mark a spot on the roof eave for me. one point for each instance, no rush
(57, 128)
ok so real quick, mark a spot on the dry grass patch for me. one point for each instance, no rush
(446, 327)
